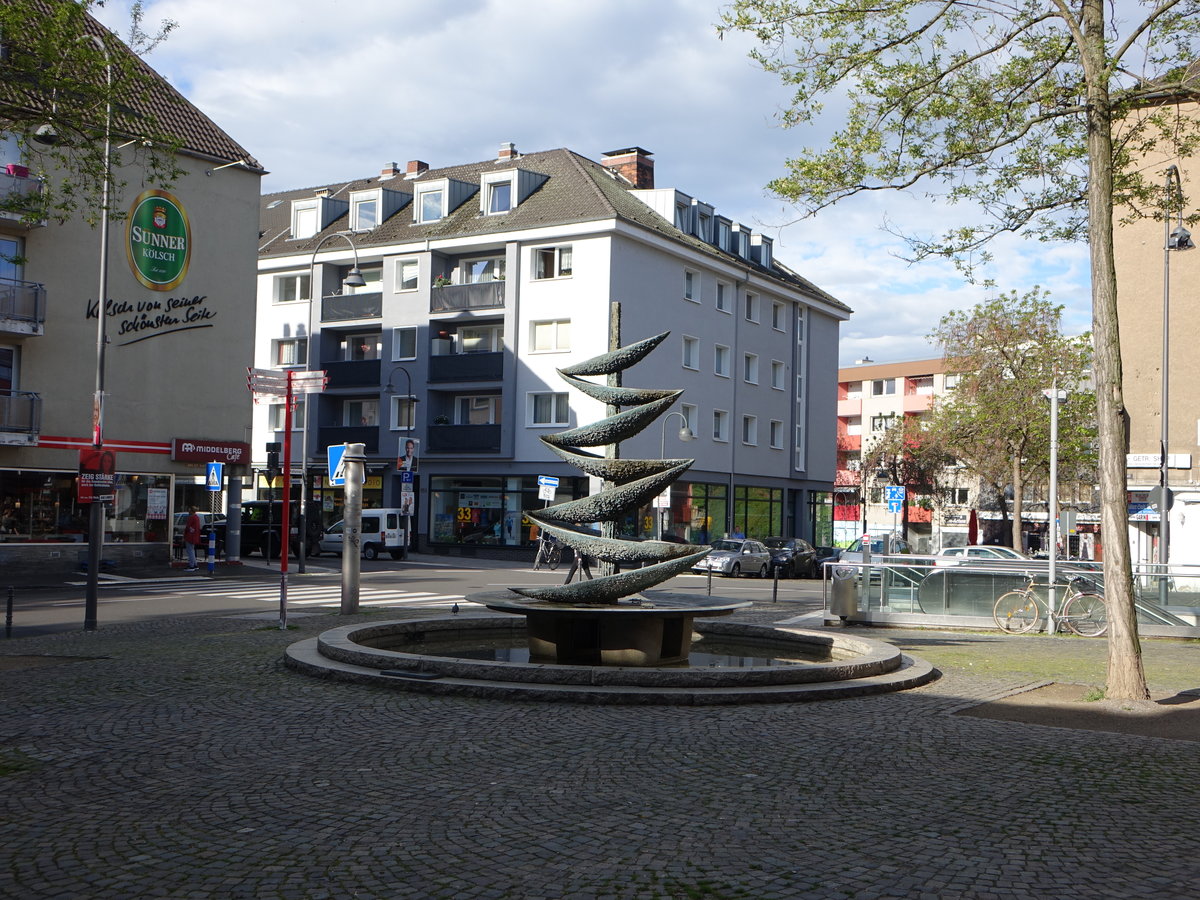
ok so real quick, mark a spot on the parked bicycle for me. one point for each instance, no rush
(1081, 609)
(549, 552)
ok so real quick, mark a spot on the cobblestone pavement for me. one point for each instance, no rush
(182, 760)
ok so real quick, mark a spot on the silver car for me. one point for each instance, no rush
(734, 557)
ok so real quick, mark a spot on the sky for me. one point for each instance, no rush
(319, 91)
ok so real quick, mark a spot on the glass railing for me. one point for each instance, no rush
(22, 306)
(456, 297)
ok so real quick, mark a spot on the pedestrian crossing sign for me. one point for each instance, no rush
(213, 475)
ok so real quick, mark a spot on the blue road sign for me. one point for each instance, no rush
(548, 480)
(213, 473)
(895, 493)
(895, 506)
(337, 470)
(406, 478)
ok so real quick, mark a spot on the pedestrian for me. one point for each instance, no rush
(191, 537)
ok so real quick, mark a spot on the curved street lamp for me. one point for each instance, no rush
(685, 434)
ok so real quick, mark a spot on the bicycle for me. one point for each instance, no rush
(549, 553)
(1082, 610)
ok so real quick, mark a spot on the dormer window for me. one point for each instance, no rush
(431, 203)
(503, 191)
(499, 197)
(364, 212)
(312, 215)
(438, 198)
(304, 220)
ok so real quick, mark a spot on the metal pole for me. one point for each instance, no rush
(96, 512)
(1164, 515)
(303, 490)
(354, 460)
(1052, 510)
(285, 525)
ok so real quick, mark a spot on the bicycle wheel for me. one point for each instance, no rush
(554, 557)
(1086, 615)
(1016, 612)
(539, 557)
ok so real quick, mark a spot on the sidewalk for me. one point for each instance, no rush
(178, 758)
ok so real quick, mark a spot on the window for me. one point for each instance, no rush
(277, 413)
(499, 197)
(720, 425)
(721, 360)
(724, 292)
(360, 413)
(480, 338)
(551, 336)
(750, 368)
(355, 347)
(778, 322)
(552, 262)
(549, 409)
(364, 213)
(750, 430)
(957, 496)
(477, 410)
(404, 413)
(751, 307)
(952, 381)
(778, 375)
(723, 235)
(481, 271)
(293, 287)
(372, 276)
(304, 220)
(704, 226)
(291, 352)
(883, 387)
(691, 352)
(406, 275)
(430, 203)
(683, 216)
(776, 434)
(882, 422)
(11, 254)
(404, 342)
(689, 416)
(690, 286)
(798, 462)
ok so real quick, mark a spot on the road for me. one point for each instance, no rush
(254, 588)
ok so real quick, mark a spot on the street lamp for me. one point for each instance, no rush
(354, 279)
(1177, 238)
(1056, 397)
(685, 434)
(412, 424)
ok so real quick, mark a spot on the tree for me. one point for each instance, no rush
(1006, 352)
(1033, 110)
(910, 455)
(66, 81)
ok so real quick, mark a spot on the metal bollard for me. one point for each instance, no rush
(775, 585)
(8, 613)
(710, 582)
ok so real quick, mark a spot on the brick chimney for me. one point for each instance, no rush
(389, 170)
(634, 164)
(416, 168)
(508, 151)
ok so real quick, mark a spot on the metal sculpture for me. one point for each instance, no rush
(628, 484)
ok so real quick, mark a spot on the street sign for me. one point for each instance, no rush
(406, 478)
(213, 475)
(547, 484)
(895, 494)
(895, 506)
(663, 500)
(337, 465)
(551, 480)
(1155, 498)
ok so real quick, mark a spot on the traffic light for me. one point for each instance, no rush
(273, 449)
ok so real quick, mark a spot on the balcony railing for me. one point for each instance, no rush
(19, 190)
(339, 307)
(352, 373)
(457, 297)
(467, 367)
(367, 435)
(464, 438)
(22, 307)
(20, 417)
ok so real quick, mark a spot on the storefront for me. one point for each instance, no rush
(42, 506)
(482, 511)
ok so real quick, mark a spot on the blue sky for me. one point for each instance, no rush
(319, 90)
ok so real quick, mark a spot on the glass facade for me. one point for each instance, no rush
(43, 506)
(757, 511)
(490, 510)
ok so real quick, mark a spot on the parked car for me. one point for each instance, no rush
(826, 555)
(215, 521)
(734, 557)
(262, 528)
(953, 556)
(793, 557)
(381, 531)
(854, 553)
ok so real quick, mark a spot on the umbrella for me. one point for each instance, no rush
(972, 528)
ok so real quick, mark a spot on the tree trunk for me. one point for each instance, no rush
(1018, 483)
(1126, 676)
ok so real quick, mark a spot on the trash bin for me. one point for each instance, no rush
(843, 595)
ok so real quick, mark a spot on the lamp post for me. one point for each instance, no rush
(354, 278)
(412, 424)
(1055, 396)
(1178, 238)
(685, 434)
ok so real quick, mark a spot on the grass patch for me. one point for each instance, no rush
(1094, 694)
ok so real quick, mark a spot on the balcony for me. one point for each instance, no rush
(20, 188)
(342, 307)
(847, 478)
(22, 307)
(367, 435)
(464, 439)
(850, 407)
(466, 367)
(846, 442)
(916, 403)
(460, 297)
(20, 418)
(352, 374)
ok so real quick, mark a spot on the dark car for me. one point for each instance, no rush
(793, 557)
(827, 555)
(262, 531)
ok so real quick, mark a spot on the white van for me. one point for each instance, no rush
(382, 532)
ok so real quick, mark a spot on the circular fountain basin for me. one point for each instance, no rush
(822, 665)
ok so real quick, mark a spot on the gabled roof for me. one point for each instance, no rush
(576, 190)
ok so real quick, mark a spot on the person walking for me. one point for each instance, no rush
(192, 529)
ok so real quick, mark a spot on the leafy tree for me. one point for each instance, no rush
(1006, 352)
(1036, 112)
(65, 80)
(911, 455)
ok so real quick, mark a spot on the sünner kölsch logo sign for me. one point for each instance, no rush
(158, 240)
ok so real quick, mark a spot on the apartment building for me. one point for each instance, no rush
(179, 328)
(442, 301)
